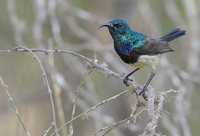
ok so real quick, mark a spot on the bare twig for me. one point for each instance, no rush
(93, 108)
(113, 125)
(75, 103)
(14, 106)
(46, 83)
(57, 91)
(47, 130)
(92, 64)
(133, 115)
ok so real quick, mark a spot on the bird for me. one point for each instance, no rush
(139, 50)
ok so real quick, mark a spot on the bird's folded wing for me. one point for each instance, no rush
(152, 47)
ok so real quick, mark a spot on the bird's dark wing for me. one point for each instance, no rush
(152, 47)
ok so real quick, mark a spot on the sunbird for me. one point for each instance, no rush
(139, 50)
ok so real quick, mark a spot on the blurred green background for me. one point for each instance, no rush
(72, 25)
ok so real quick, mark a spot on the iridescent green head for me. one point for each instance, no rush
(117, 27)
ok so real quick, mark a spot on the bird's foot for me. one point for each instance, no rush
(143, 93)
(127, 80)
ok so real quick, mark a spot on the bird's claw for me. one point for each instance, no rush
(126, 80)
(143, 93)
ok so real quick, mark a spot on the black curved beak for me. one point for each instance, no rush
(105, 25)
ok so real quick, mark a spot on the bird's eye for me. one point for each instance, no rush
(118, 25)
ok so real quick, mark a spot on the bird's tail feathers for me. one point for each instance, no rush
(176, 33)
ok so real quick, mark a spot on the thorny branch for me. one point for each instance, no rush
(154, 104)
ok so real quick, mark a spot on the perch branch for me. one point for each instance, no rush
(93, 64)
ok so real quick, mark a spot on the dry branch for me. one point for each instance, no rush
(93, 64)
(154, 104)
